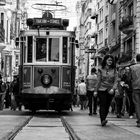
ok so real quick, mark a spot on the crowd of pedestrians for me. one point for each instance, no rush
(111, 89)
(9, 94)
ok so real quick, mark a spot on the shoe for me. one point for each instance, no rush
(122, 113)
(138, 124)
(131, 117)
(104, 122)
(94, 113)
(119, 116)
(90, 114)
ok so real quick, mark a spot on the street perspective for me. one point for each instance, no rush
(69, 69)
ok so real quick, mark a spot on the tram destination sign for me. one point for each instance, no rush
(48, 22)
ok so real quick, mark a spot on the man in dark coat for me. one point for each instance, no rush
(14, 88)
(2, 93)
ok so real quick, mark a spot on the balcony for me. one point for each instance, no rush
(94, 16)
(126, 26)
(103, 50)
(94, 35)
(126, 56)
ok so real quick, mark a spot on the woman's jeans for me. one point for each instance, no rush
(104, 103)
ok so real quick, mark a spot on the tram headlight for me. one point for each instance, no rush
(46, 80)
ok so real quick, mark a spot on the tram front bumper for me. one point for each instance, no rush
(47, 100)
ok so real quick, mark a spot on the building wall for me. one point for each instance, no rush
(138, 26)
(86, 29)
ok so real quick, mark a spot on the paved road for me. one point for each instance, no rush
(89, 127)
(85, 127)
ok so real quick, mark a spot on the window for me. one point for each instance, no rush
(29, 51)
(23, 47)
(53, 49)
(17, 60)
(41, 49)
(130, 9)
(101, 36)
(65, 49)
(2, 19)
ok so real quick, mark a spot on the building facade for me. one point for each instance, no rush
(85, 30)
(116, 31)
(12, 21)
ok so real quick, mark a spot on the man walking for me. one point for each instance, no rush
(135, 73)
(14, 88)
(2, 93)
(91, 84)
(82, 94)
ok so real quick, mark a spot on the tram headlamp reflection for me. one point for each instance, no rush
(46, 80)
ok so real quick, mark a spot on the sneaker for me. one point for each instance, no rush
(131, 117)
(104, 122)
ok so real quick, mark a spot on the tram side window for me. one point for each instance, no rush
(53, 49)
(29, 53)
(65, 49)
(41, 49)
(23, 48)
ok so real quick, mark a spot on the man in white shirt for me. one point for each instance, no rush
(91, 83)
(82, 94)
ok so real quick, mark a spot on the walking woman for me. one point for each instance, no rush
(107, 83)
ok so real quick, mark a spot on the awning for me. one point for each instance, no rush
(103, 50)
(128, 64)
(114, 48)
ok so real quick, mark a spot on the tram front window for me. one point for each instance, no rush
(53, 49)
(41, 54)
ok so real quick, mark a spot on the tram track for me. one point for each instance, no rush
(69, 129)
(58, 124)
(12, 135)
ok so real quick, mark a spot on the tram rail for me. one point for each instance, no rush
(13, 135)
(68, 129)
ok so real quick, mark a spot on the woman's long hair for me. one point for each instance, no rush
(113, 65)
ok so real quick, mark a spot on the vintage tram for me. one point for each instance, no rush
(47, 70)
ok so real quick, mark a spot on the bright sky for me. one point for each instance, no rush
(69, 14)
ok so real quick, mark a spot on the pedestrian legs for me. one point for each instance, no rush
(2, 97)
(104, 104)
(131, 105)
(94, 105)
(119, 103)
(136, 99)
(90, 101)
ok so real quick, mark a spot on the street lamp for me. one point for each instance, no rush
(112, 2)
